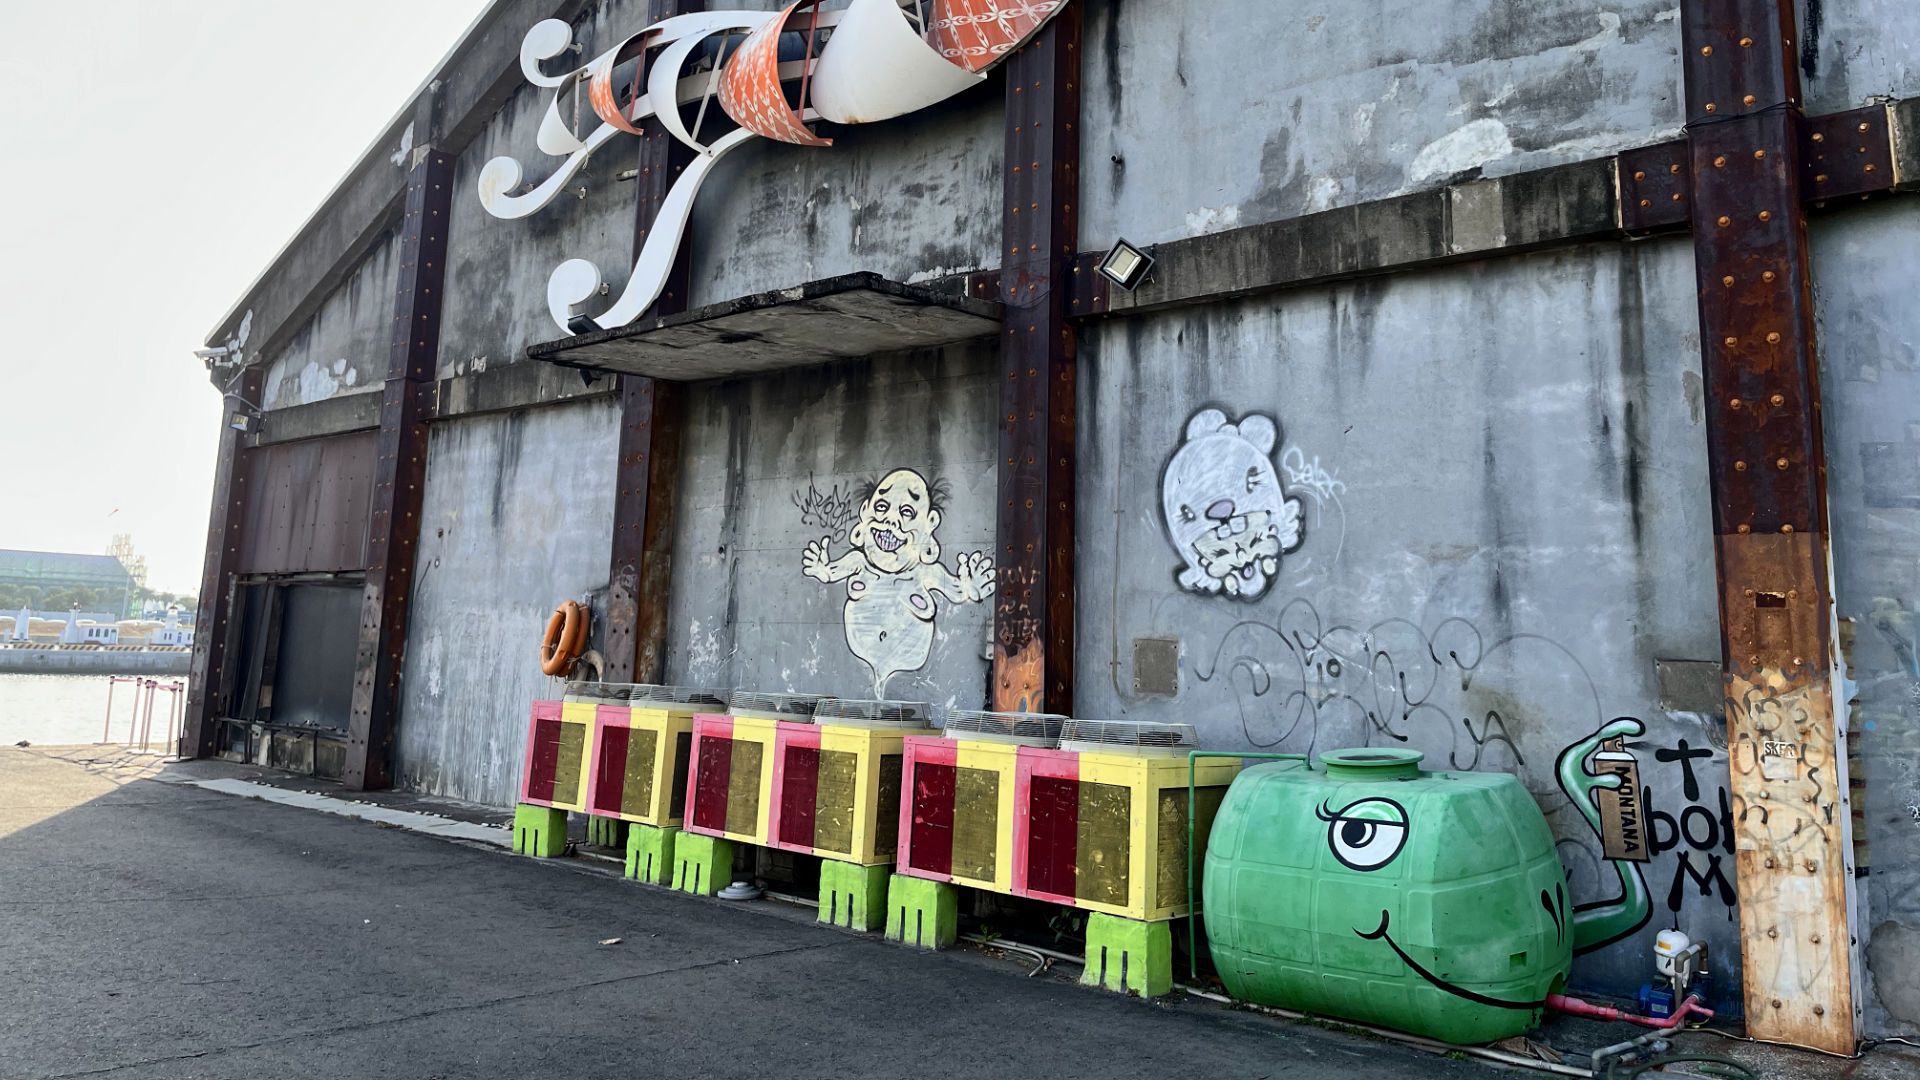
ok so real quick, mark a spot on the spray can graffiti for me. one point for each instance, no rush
(1622, 831)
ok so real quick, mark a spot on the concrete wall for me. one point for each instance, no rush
(1501, 474)
(1199, 117)
(770, 465)
(1864, 268)
(1852, 51)
(343, 348)
(518, 516)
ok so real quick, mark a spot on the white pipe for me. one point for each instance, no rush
(1431, 1045)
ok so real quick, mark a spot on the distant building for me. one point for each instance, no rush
(49, 579)
(172, 633)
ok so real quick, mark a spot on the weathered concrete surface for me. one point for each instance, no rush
(1864, 271)
(343, 348)
(1853, 51)
(1502, 475)
(32, 661)
(1263, 109)
(743, 613)
(518, 516)
(203, 935)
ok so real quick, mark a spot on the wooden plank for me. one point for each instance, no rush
(1767, 470)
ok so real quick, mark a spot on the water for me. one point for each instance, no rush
(64, 710)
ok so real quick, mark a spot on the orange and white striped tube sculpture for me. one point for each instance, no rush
(882, 59)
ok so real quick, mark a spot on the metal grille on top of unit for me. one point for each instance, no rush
(1127, 735)
(599, 693)
(880, 714)
(1026, 729)
(795, 707)
(678, 695)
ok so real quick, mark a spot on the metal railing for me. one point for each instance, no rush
(140, 723)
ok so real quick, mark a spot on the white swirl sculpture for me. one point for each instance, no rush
(884, 58)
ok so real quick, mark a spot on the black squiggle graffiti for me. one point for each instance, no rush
(1299, 678)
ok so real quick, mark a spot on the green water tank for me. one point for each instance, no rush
(1367, 889)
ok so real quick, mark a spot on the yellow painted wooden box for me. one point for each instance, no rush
(836, 781)
(642, 754)
(730, 784)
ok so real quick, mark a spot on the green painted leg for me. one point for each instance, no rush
(1129, 956)
(650, 854)
(921, 912)
(702, 865)
(853, 896)
(606, 831)
(539, 830)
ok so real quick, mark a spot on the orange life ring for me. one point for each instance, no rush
(565, 638)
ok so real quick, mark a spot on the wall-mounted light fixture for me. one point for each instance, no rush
(1126, 266)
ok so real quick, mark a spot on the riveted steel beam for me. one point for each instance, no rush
(1786, 737)
(207, 675)
(1033, 610)
(400, 471)
(647, 476)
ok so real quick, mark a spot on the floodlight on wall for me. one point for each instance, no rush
(1126, 266)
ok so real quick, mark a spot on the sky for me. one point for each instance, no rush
(158, 155)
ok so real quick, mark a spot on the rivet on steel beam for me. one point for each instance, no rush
(1725, 221)
(1776, 1003)
(1711, 107)
(1773, 932)
(1779, 399)
(1739, 466)
(1819, 1010)
(1863, 130)
(1793, 594)
(1674, 169)
(1868, 167)
(1706, 50)
(1820, 179)
(1787, 529)
(1748, 592)
(1780, 463)
(1773, 338)
(1727, 281)
(1817, 137)
(1766, 215)
(1639, 174)
(1758, 155)
(1676, 195)
(1720, 162)
(1731, 341)
(1746, 43)
(1744, 529)
(1646, 202)
(1766, 275)
(1748, 100)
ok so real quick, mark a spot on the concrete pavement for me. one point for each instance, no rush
(151, 929)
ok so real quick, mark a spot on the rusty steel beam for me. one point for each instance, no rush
(1767, 466)
(400, 472)
(207, 675)
(647, 476)
(1033, 610)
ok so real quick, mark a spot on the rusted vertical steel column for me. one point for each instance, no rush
(646, 482)
(400, 472)
(1033, 610)
(206, 691)
(1785, 737)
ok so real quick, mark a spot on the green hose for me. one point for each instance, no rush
(1193, 816)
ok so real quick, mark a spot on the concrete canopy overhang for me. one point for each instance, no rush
(853, 315)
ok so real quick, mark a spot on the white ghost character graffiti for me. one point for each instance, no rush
(893, 574)
(1225, 510)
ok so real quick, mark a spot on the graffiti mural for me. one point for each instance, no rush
(1225, 510)
(893, 571)
(1590, 771)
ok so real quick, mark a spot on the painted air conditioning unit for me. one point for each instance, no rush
(642, 752)
(957, 819)
(730, 788)
(1103, 822)
(837, 780)
(559, 741)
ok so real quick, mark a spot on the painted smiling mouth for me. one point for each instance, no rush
(1380, 934)
(887, 541)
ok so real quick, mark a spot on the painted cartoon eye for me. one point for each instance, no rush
(1186, 513)
(880, 506)
(1254, 479)
(1366, 835)
(908, 513)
